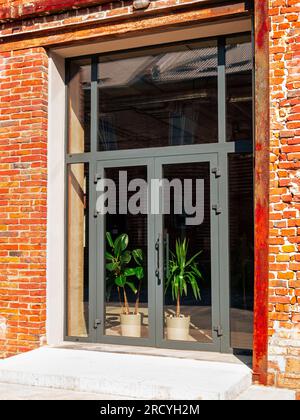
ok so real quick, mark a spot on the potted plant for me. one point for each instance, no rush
(183, 273)
(123, 277)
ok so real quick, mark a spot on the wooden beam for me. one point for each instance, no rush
(112, 28)
(262, 159)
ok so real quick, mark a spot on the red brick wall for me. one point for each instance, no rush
(16, 9)
(284, 349)
(23, 193)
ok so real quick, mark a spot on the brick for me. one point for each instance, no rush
(17, 178)
(293, 365)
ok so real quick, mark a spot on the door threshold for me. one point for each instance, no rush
(159, 352)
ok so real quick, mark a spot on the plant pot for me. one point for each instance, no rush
(178, 328)
(131, 325)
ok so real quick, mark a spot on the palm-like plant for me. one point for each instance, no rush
(118, 260)
(183, 273)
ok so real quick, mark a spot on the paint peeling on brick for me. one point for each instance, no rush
(14, 10)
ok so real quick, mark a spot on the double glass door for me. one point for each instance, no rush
(157, 252)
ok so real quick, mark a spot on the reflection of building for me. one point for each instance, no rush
(157, 81)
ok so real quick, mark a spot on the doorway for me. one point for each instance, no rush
(177, 113)
(155, 231)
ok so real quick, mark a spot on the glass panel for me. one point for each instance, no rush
(241, 229)
(79, 91)
(239, 65)
(78, 250)
(159, 97)
(188, 318)
(126, 309)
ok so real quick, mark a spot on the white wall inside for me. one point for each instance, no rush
(56, 200)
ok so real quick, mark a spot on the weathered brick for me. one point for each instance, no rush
(16, 182)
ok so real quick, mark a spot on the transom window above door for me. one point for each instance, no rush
(164, 96)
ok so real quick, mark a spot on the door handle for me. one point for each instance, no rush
(157, 275)
(158, 271)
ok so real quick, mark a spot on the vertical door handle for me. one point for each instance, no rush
(158, 271)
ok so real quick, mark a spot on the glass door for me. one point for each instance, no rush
(158, 252)
(125, 297)
(187, 232)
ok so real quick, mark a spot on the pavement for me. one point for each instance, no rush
(9, 392)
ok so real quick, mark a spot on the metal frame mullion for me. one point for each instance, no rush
(224, 261)
(224, 295)
(94, 105)
(159, 239)
(93, 269)
(222, 90)
(157, 152)
(92, 255)
(98, 298)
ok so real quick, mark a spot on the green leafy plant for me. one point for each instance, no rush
(123, 275)
(183, 272)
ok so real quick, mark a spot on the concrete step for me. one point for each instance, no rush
(127, 375)
(261, 393)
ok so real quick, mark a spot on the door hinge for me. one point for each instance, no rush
(97, 322)
(97, 178)
(216, 172)
(219, 331)
(217, 208)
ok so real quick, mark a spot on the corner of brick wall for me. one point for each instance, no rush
(23, 199)
(284, 301)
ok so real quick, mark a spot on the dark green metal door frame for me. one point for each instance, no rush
(95, 158)
(215, 345)
(99, 297)
(155, 290)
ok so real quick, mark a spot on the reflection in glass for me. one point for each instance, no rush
(126, 309)
(79, 98)
(160, 97)
(78, 239)
(239, 65)
(197, 313)
(241, 214)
